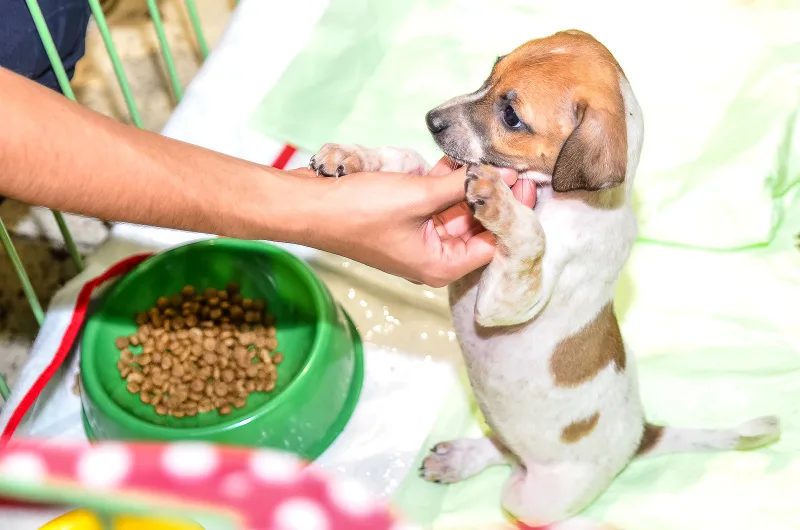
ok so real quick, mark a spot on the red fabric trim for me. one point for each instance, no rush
(284, 156)
(78, 316)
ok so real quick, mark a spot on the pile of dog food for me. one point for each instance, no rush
(196, 352)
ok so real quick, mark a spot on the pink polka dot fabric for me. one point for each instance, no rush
(260, 489)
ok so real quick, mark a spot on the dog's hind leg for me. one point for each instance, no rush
(755, 433)
(457, 460)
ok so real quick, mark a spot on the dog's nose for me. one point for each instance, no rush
(436, 123)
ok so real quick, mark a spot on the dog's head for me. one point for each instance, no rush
(553, 107)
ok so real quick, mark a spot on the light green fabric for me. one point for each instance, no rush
(710, 299)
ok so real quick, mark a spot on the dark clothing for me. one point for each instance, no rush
(21, 49)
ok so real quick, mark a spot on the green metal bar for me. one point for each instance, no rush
(30, 294)
(4, 390)
(65, 233)
(63, 82)
(122, 79)
(165, 50)
(198, 28)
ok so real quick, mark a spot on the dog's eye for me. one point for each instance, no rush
(510, 117)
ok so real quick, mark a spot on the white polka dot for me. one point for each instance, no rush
(301, 514)
(190, 460)
(236, 485)
(350, 497)
(275, 466)
(23, 467)
(106, 466)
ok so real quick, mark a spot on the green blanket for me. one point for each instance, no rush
(710, 299)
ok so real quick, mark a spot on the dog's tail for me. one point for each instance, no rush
(658, 440)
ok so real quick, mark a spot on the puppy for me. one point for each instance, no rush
(541, 343)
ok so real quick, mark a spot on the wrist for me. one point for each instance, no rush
(284, 207)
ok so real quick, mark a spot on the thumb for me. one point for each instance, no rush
(449, 188)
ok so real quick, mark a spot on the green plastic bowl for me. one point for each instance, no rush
(319, 380)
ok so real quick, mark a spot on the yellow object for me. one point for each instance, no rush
(75, 520)
(87, 520)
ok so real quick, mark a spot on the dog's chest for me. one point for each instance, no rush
(501, 364)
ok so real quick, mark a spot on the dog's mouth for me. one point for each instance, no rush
(525, 189)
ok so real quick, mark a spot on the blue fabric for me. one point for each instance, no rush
(22, 51)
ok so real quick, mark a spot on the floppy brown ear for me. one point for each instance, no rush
(595, 155)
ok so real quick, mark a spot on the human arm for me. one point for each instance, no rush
(58, 154)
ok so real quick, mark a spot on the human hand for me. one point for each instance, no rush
(416, 227)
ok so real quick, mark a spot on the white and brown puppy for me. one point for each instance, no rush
(542, 346)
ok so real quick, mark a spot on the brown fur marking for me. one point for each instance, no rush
(577, 430)
(590, 123)
(650, 437)
(580, 357)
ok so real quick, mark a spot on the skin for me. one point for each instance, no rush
(58, 154)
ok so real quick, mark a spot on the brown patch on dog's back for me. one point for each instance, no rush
(578, 430)
(580, 357)
(650, 437)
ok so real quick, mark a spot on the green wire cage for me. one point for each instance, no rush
(64, 83)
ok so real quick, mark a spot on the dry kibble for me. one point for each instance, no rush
(200, 352)
(126, 356)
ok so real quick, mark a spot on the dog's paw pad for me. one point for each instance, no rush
(334, 160)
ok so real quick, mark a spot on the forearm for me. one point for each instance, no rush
(58, 154)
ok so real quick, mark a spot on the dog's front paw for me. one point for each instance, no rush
(488, 197)
(335, 160)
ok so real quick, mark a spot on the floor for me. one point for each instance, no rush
(34, 231)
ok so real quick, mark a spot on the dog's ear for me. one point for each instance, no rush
(595, 154)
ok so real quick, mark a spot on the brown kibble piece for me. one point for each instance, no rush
(200, 352)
